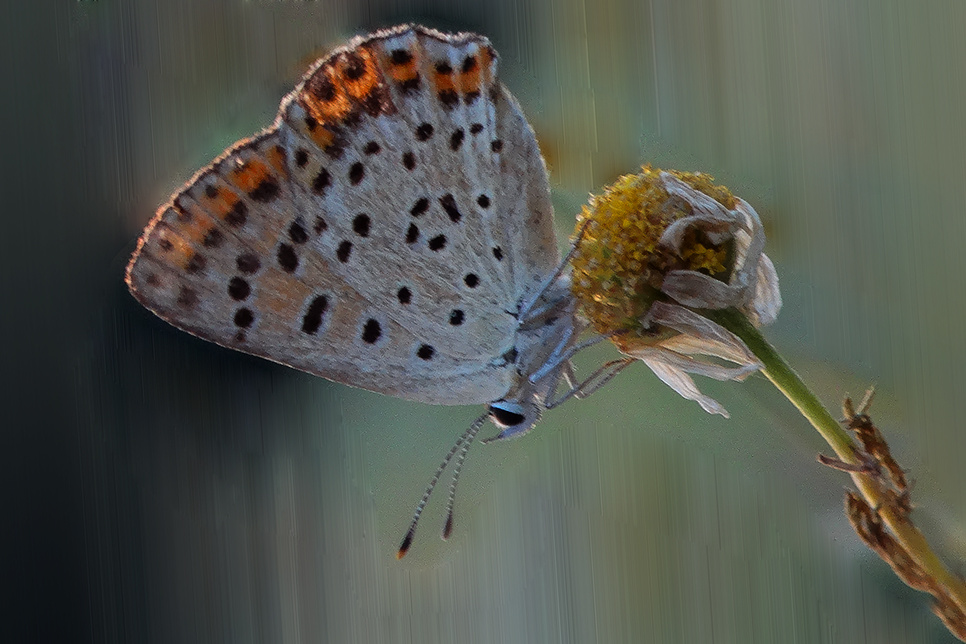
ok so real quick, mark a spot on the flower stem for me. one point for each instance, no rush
(869, 484)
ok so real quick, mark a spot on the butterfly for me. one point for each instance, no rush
(391, 230)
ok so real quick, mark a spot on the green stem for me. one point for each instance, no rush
(789, 383)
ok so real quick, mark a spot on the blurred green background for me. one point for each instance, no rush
(160, 489)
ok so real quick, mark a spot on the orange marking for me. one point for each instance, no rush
(276, 157)
(362, 86)
(443, 82)
(180, 252)
(487, 63)
(249, 175)
(222, 203)
(197, 227)
(470, 81)
(324, 81)
(404, 72)
(323, 136)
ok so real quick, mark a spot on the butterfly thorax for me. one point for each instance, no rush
(548, 329)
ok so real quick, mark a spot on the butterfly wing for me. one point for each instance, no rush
(362, 238)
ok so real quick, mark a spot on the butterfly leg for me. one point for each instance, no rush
(563, 352)
(591, 384)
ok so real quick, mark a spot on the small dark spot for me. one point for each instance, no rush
(311, 123)
(342, 252)
(400, 57)
(238, 214)
(410, 85)
(319, 225)
(287, 258)
(353, 67)
(371, 331)
(469, 64)
(476, 128)
(312, 319)
(456, 140)
(449, 206)
(421, 205)
(297, 232)
(335, 149)
(472, 280)
(425, 352)
(322, 181)
(405, 295)
(409, 160)
(412, 234)
(443, 67)
(321, 87)
(213, 239)
(301, 158)
(187, 297)
(238, 288)
(352, 118)
(165, 244)
(424, 131)
(470, 97)
(239, 337)
(496, 145)
(244, 318)
(437, 243)
(152, 279)
(356, 172)
(494, 93)
(498, 253)
(211, 191)
(456, 317)
(484, 201)
(378, 101)
(449, 98)
(196, 263)
(371, 148)
(360, 224)
(266, 190)
(248, 263)
(511, 356)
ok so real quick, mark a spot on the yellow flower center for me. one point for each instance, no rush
(618, 266)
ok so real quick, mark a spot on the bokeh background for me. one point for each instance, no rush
(159, 489)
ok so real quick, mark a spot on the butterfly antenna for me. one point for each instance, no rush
(467, 438)
(451, 500)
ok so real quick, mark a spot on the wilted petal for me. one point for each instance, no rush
(762, 309)
(701, 336)
(701, 291)
(682, 383)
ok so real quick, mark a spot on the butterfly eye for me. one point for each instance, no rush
(505, 414)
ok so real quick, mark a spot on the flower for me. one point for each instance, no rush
(654, 255)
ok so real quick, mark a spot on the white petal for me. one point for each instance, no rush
(684, 385)
(699, 335)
